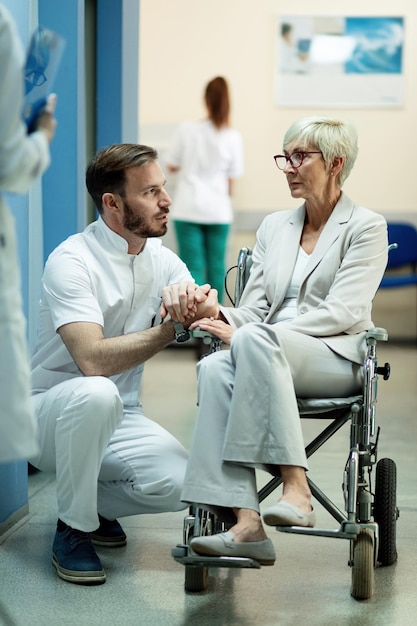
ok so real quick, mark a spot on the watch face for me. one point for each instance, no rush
(182, 337)
(181, 333)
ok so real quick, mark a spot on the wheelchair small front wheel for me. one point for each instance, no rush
(199, 523)
(385, 510)
(362, 586)
(196, 578)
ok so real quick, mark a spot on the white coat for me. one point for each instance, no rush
(22, 159)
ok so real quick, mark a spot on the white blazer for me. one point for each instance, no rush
(339, 283)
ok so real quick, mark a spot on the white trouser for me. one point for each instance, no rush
(108, 459)
(248, 415)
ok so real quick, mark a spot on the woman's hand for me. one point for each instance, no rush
(221, 329)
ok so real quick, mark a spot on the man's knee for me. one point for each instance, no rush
(101, 399)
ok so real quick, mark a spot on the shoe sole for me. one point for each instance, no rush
(108, 543)
(80, 578)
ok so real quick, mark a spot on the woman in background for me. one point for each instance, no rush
(207, 155)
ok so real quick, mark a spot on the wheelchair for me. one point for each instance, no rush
(370, 513)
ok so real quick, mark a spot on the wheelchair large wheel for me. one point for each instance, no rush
(362, 586)
(385, 510)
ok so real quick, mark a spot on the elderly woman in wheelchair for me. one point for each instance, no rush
(298, 332)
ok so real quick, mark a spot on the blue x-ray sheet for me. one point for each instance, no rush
(43, 59)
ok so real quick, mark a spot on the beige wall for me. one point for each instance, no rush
(184, 43)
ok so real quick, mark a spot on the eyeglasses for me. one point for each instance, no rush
(296, 159)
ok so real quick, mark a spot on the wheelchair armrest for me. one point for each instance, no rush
(208, 338)
(312, 407)
(198, 333)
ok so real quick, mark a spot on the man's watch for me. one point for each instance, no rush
(181, 333)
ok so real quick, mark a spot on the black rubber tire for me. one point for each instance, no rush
(385, 510)
(362, 587)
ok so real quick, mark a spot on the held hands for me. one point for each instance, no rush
(187, 302)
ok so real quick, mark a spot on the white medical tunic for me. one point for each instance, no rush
(207, 158)
(91, 277)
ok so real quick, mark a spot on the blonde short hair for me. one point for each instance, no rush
(332, 136)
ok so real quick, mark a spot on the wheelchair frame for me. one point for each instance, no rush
(369, 519)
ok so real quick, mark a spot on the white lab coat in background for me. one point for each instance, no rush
(22, 159)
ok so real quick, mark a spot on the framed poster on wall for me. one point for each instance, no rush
(346, 62)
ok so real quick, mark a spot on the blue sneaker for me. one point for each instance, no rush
(74, 557)
(109, 534)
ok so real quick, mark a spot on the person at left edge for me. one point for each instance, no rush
(105, 292)
(23, 159)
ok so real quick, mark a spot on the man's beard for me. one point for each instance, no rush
(137, 225)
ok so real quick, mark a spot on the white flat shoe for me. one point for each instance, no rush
(222, 544)
(285, 514)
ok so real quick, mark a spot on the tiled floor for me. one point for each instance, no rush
(310, 582)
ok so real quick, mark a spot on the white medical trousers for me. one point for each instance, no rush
(108, 459)
(248, 415)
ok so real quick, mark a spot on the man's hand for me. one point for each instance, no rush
(181, 301)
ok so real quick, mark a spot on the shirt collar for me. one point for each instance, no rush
(109, 239)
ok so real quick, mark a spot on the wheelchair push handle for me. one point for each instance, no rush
(372, 336)
(376, 334)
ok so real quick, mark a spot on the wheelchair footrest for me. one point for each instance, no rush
(347, 530)
(184, 555)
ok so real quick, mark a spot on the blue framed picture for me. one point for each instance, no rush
(335, 61)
